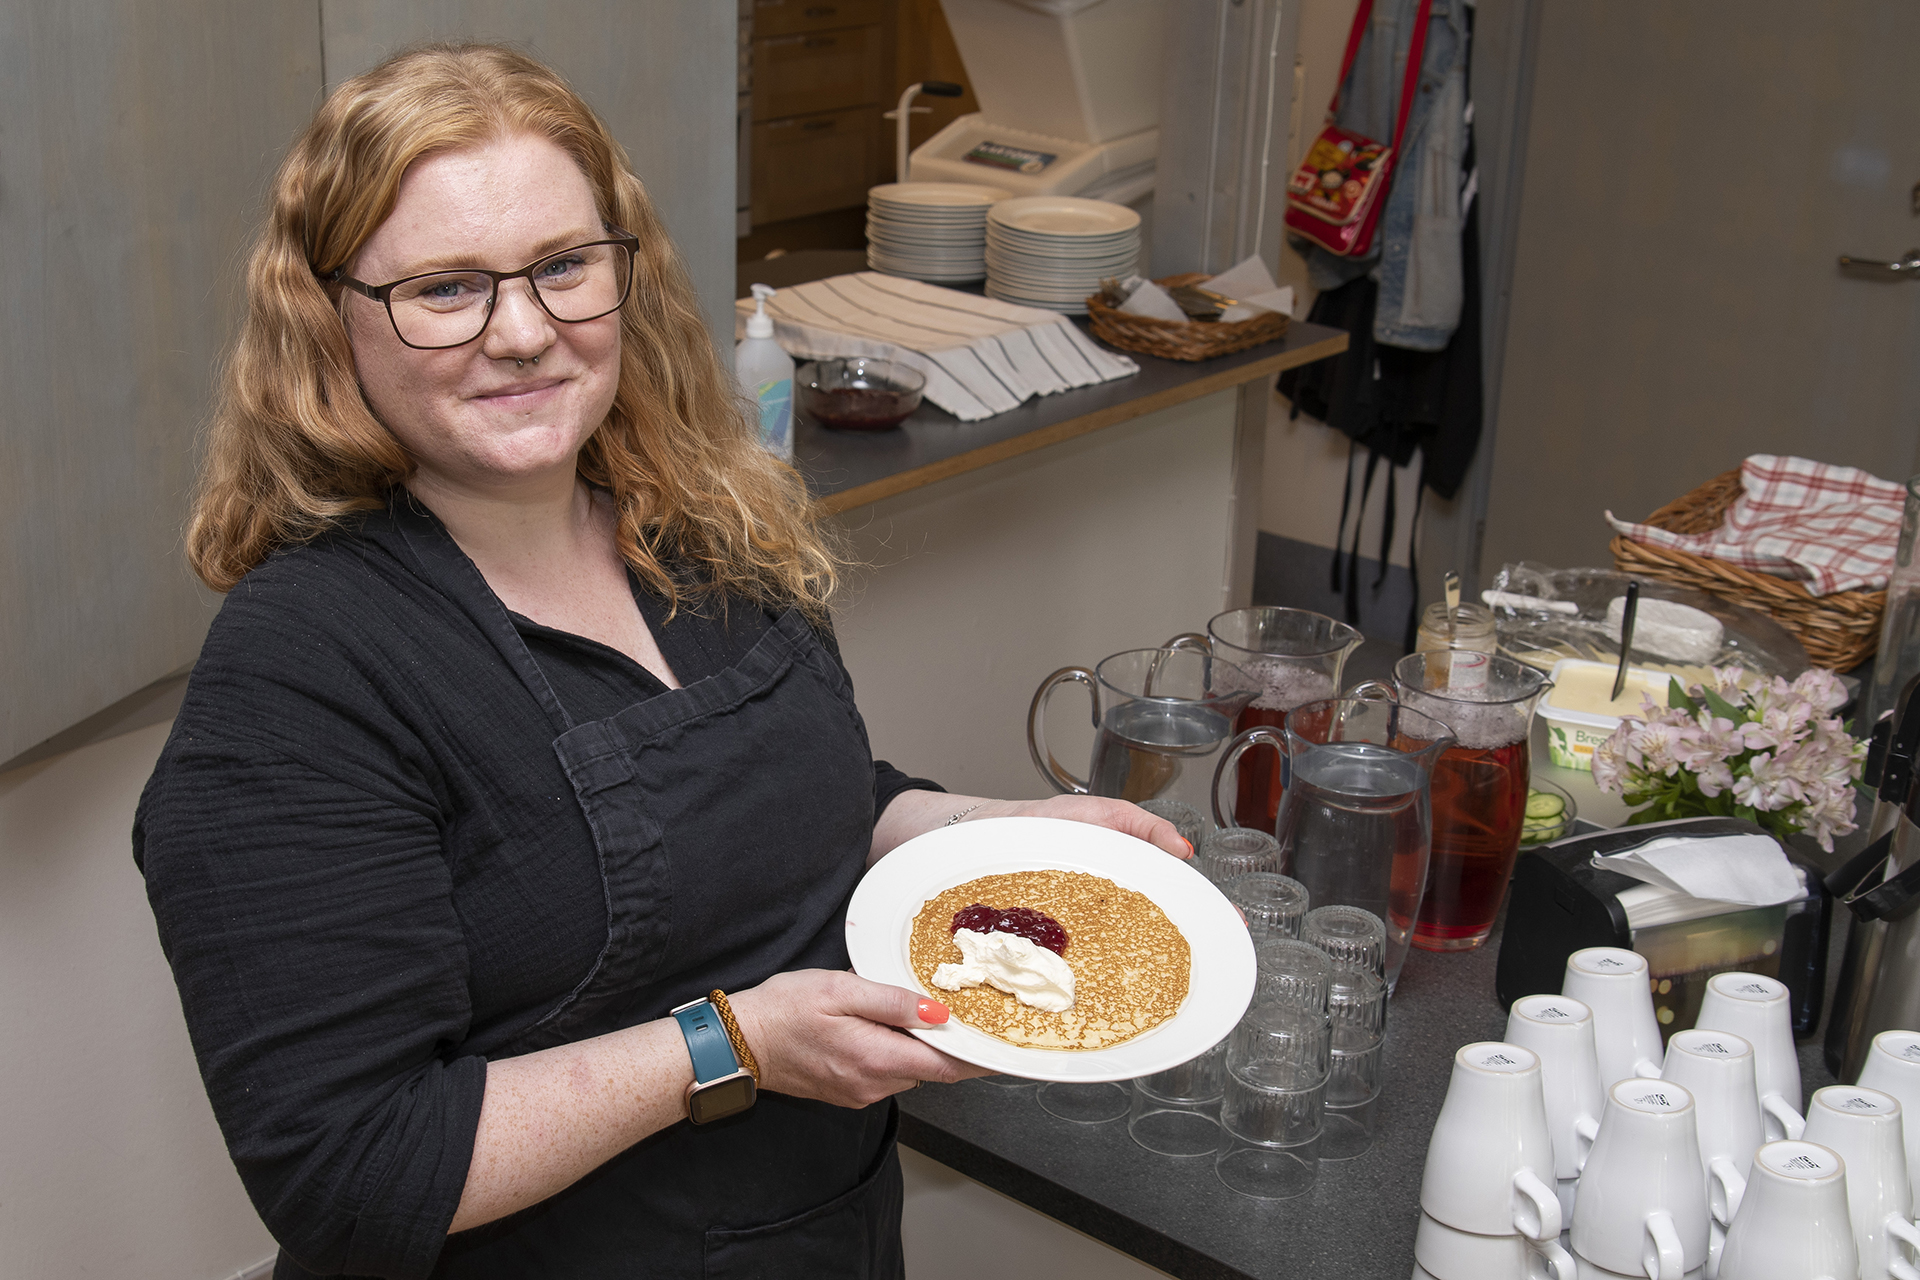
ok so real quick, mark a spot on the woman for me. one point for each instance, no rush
(521, 727)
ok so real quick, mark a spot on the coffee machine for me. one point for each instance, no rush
(1879, 985)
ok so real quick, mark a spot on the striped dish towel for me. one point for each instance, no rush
(1835, 527)
(980, 357)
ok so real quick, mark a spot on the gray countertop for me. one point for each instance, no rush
(847, 469)
(1174, 1214)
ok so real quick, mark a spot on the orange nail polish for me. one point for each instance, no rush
(932, 1012)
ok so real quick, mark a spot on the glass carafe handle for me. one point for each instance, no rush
(1057, 774)
(1190, 640)
(1258, 736)
(1373, 691)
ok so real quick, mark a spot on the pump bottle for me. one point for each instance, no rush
(765, 373)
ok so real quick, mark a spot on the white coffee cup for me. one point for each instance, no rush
(1863, 1127)
(1490, 1160)
(1584, 1270)
(1615, 984)
(1793, 1223)
(1642, 1204)
(1893, 1066)
(1757, 1008)
(1451, 1254)
(1560, 1030)
(1716, 1067)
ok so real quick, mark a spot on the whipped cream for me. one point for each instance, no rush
(1019, 966)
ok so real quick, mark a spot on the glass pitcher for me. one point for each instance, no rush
(1356, 820)
(1898, 658)
(1298, 656)
(1479, 788)
(1160, 718)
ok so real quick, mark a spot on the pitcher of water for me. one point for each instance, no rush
(1356, 819)
(1160, 717)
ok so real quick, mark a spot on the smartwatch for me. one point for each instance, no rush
(722, 1085)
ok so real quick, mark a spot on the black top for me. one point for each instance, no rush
(369, 872)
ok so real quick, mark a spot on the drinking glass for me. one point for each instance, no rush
(1357, 1007)
(1349, 936)
(1479, 788)
(1278, 1059)
(1292, 973)
(1232, 852)
(1172, 1110)
(1297, 656)
(1275, 905)
(1085, 1103)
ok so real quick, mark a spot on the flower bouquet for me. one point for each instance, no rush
(1747, 747)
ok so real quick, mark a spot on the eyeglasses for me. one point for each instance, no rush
(442, 309)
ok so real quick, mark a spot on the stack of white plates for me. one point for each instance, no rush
(1052, 251)
(929, 230)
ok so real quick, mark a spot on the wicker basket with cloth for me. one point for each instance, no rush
(1808, 543)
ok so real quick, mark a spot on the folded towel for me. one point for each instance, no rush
(1835, 527)
(980, 357)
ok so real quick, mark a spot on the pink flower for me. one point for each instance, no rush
(1822, 688)
(1608, 759)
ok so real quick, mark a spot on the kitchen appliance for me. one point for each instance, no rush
(1069, 92)
(1879, 985)
(1560, 902)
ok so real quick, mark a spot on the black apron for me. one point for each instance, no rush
(732, 819)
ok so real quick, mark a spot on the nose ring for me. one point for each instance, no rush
(521, 364)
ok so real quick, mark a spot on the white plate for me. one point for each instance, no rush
(1063, 216)
(936, 194)
(1220, 984)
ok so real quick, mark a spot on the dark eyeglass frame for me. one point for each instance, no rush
(383, 293)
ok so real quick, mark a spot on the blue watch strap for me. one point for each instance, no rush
(707, 1042)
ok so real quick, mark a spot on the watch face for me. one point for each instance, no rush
(721, 1098)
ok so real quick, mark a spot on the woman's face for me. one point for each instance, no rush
(484, 418)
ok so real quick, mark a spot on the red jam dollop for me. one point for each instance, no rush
(1025, 922)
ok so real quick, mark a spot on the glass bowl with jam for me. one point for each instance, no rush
(858, 393)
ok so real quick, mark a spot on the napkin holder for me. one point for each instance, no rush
(1560, 903)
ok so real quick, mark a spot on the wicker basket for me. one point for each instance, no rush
(1181, 340)
(1839, 630)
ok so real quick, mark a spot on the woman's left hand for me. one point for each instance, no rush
(915, 812)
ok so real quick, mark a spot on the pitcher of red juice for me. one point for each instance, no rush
(1479, 786)
(1297, 656)
(1160, 717)
(1355, 820)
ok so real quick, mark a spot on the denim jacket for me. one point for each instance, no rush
(1416, 251)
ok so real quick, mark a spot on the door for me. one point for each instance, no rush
(1692, 174)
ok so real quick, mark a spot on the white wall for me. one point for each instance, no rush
(110, 1162)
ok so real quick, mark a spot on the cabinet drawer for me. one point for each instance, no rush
(824, 71)
(811, 164)
(792, 17)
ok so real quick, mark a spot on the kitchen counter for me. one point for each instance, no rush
(848, 469)
(1174, 1214)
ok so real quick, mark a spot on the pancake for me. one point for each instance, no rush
(1130, 964)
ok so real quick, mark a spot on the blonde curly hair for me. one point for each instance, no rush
(293, 447)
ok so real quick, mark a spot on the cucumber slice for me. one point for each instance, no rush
(1541, 804)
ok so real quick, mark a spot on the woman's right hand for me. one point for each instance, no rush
(823, 1034)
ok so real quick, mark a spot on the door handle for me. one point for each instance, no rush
(1905, 269)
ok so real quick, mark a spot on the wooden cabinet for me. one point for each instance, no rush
(809, 164)
(821, 79)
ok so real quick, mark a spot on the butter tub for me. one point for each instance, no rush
(1573, 731)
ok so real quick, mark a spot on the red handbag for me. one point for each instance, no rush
(1334, 198)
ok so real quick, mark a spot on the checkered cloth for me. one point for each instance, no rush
(1835, 527)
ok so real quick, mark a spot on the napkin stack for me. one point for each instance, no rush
(1249, 283)
(1686, 878)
